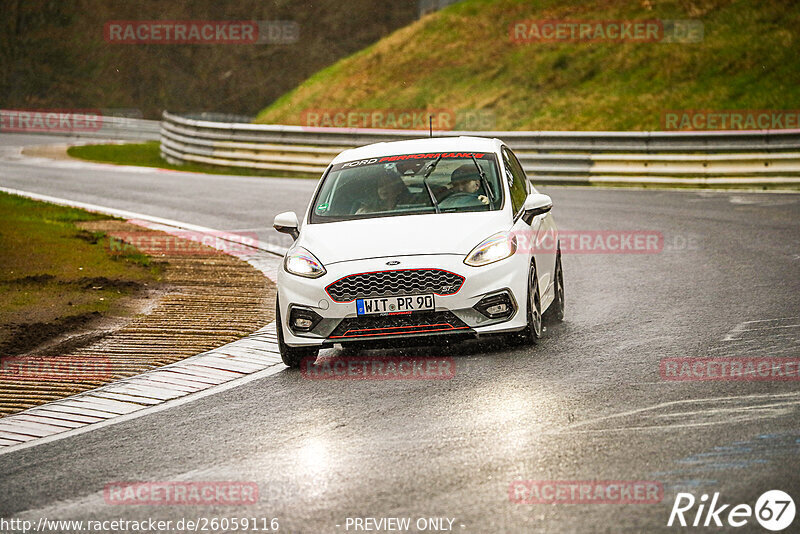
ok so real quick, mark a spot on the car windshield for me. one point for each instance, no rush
(397, 185)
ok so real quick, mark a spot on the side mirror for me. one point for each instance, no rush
(536, 204)
(286, 223)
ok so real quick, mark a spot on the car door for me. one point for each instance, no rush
(540, 237)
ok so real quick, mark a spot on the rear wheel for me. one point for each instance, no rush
(533, 330)
(291, 356)
(555, 312)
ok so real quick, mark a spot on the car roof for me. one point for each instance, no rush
(418, 146)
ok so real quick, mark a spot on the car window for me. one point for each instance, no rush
(396, 185)
(517, 181)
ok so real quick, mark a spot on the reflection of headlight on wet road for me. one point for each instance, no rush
(502, 407)
(516, 415)
(313, 456)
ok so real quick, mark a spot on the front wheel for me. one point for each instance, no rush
(533, 330)
(555, 312)
(291, 356)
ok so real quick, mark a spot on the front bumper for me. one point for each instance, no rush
(454, 314)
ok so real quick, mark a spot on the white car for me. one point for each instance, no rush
(416, 240)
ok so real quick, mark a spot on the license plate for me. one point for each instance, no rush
(386, 305)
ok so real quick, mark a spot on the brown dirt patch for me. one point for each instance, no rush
(47, 151)
(207, 299)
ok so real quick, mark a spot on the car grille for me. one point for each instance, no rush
(398, 325)
(391, 283)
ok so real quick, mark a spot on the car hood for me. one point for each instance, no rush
(444, 233)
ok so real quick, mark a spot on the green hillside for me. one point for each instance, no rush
(462, 58)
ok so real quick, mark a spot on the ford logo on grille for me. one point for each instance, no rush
(393, 262)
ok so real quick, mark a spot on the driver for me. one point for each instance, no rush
(466, 180)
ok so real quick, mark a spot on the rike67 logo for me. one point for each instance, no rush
(774, 510)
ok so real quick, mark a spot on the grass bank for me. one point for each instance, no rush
(463, 59)
(55, 276)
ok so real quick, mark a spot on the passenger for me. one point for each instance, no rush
(389, 191)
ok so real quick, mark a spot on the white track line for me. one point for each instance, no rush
(144, 411)
(190, 379)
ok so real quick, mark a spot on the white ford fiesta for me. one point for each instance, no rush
(418, 240)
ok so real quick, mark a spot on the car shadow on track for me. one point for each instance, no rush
(497, 347)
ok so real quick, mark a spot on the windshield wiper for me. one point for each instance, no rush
(432, 165)
(484, 181)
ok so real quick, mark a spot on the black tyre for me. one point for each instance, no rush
(533, 330)
(291, 356)
(555, 312)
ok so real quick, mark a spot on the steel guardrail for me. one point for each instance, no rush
(87, 124)
(738, 157)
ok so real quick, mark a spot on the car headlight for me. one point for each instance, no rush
(301, 262)
(495, 248)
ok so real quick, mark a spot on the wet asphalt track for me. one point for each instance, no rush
(587, 403)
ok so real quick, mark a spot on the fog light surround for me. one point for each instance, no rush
(499, 305)
(303, 319)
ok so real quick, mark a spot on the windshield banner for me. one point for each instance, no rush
(389, 159)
